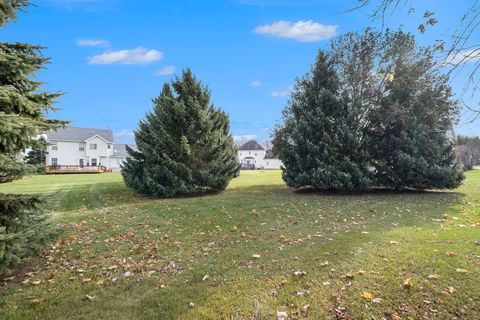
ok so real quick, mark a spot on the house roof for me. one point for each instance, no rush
(251, 145)
(120, 150)
(79, 134)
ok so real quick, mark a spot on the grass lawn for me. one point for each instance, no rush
(249, 252)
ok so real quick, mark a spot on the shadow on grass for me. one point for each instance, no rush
(373, 191)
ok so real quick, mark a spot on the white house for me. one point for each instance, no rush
(82, 147)
(253, 156)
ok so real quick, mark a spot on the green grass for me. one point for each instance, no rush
(146, 258)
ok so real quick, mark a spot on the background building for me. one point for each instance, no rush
(253, 156)
(84, 147)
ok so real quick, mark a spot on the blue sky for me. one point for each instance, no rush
(111, 57)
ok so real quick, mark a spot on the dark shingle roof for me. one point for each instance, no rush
(79, 134)
(120, 150)
(251, 145)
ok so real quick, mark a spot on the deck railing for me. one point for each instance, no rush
(74, 169)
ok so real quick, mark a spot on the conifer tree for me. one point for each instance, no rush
(405, 109)
(317, 142)
(36, 156)
(184, 144)
(411, 145)
(23, 108)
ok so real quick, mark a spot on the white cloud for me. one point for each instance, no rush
(244, 137)
(124, 134)
(282, 93)
(136, 56)
(165, 71)
(256, 84)
(462, 57)
(305, 31)
(92, 43)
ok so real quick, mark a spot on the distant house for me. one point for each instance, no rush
(253, 156)
(84, 147)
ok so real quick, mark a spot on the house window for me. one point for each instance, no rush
(81, 147)
(109, 146)
(94, 162)
(93, 146)
(80, 162)
(54, 161)
(54, 147)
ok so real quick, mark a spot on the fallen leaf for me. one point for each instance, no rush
(36, 282)
(282, 315)
(256, 256)
(462, 271)
(451, 254)
(324, 263)
(305, 308)
(89, 298)
(377, 300)
(299, 273)
(451, 289)
(205, 277)
(433, 277)
(367, 295)
(408, 283)
(191, 305)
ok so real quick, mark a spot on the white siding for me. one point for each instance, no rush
(257, 156)
(272, 163)
(259, 159)
(67, 153)
(101, 153)
(70, 153)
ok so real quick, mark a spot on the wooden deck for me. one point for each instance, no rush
(61, 169)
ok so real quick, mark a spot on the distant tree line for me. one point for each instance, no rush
(468, 150)
(37, 155)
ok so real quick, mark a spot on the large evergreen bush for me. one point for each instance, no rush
(184, 144)
(375, 112)
(317, 143)
(411, 145)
